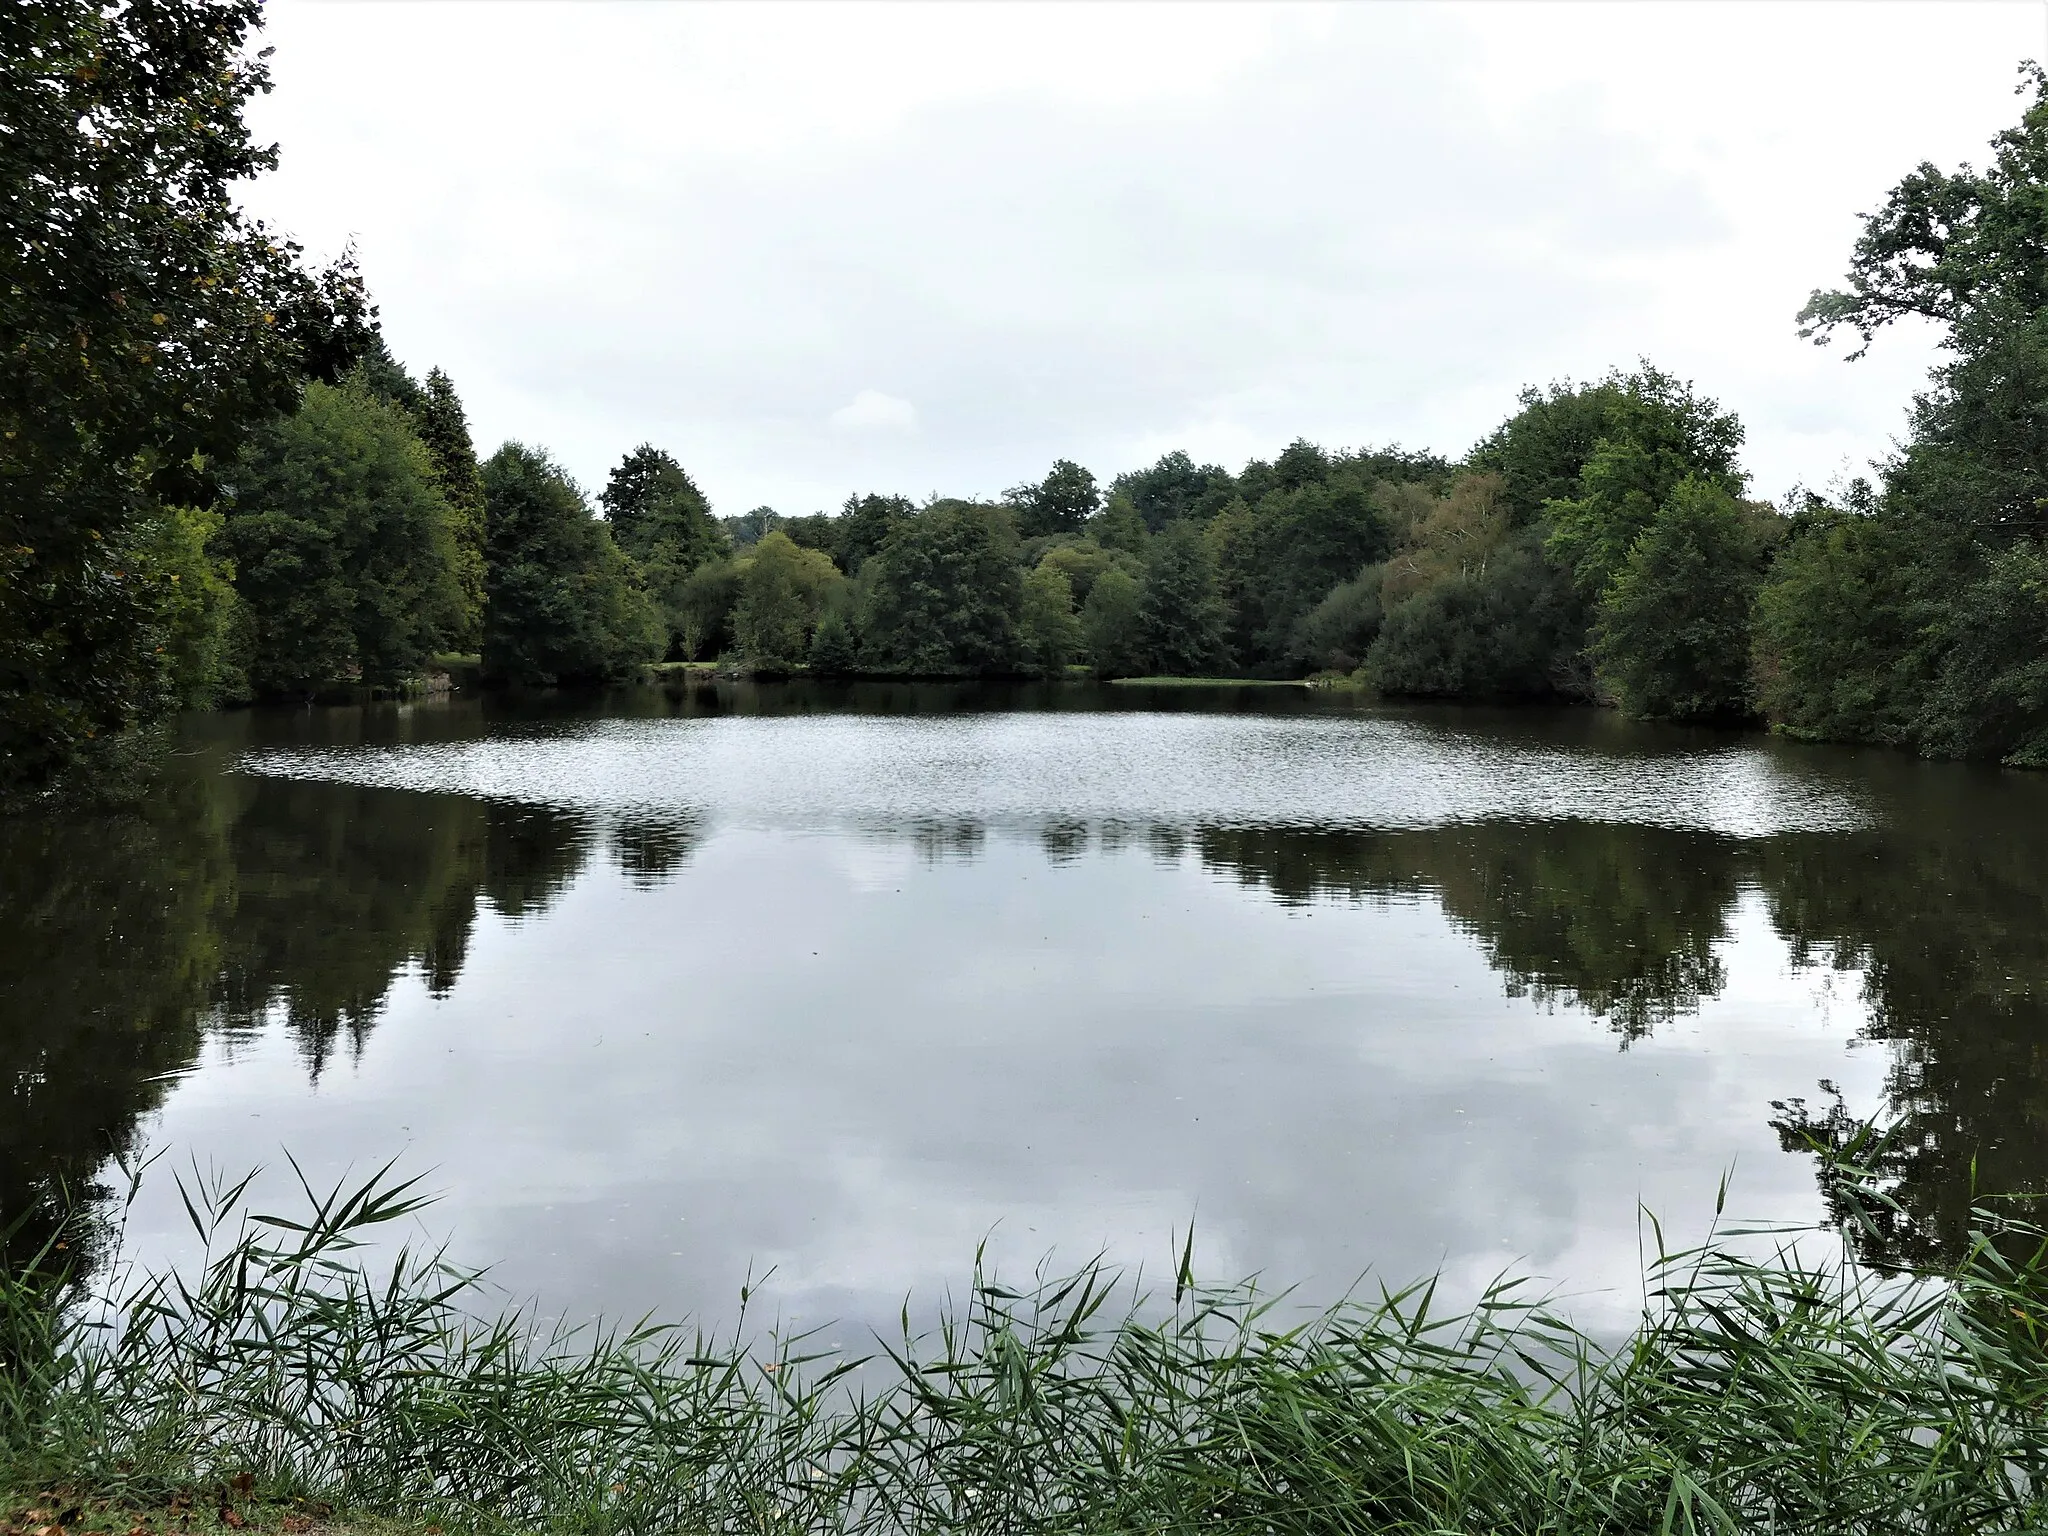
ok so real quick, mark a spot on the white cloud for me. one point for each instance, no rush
(1094, 231)
(873, 411)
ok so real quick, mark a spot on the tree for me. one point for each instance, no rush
(704, 605)
(1336, 634)
(1047, 628)
(867, 523)
(562, 604)
(1948, 246)
(1181, 619)
(1658, 433)
(835, 649)
(1278, 559)
(1060, 503)
(1505, 629)
(149, 324)
(1301, 463)
(201, 621)
(783, 589)
(342, 547)
(1081, 561)
(649, 499)
(1118, 527)
(383, 377)
(659, 517)
(748, 529)
(443, 427)
(1172, 489)
(1935, 636)
(1671, 639)
(946, 593)
(1112, 625)
(1838, 643)
(1540, 450)
(1458, 534)
(1990, 696)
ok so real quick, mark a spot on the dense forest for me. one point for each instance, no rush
(222, 487)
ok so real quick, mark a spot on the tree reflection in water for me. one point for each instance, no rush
(235, 902)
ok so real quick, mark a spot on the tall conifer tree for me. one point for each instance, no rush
(444, 428)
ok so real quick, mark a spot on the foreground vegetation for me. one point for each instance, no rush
(1776, 1393)
(220, 486)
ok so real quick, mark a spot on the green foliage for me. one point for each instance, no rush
(1118, 527)
(704, 605)
(1173, 489)
(835, 648)
(946, 593)
(865, 525)
(1181, 619)
(1060, 503)
(383, 377)
(1335, 635)
(1113, 625)
(1658, 433)
(148, 325)
(1837, 637)
(1540, 450)
(659, 518)
(563, 605)
(1990, 696)
(1918, 621)
(748, 529)
(201, 622)
(443, 427)
(1975, 463)
(1047, 628)
(1082, 560)
(1782, 1393)
(1509, 628)
(342, 548)
(1948, 246)
(782, 591)
(1671, 635)
(1278, 558)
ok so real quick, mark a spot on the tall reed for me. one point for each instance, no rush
(1777, 1393)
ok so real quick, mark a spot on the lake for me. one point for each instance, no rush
(815, 989)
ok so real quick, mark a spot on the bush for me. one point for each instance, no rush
(1510, 629)
(1336, 634)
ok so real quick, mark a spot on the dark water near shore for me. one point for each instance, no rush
(833, 984)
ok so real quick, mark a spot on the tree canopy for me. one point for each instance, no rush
(150, 324)
(562, 604)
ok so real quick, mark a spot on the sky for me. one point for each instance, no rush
(814, 250)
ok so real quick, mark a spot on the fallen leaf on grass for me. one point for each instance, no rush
(297, 1525)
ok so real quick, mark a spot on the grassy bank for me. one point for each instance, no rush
(280, 1382)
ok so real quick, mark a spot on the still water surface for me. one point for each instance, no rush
(831, 985)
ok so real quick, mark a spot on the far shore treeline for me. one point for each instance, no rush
(220, 486)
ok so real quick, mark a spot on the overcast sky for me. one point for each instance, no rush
(820, 249)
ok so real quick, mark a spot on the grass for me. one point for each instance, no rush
(280, 1380)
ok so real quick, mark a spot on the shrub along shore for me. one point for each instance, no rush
(283, 1383)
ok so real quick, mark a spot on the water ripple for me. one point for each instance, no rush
(1027, 769)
